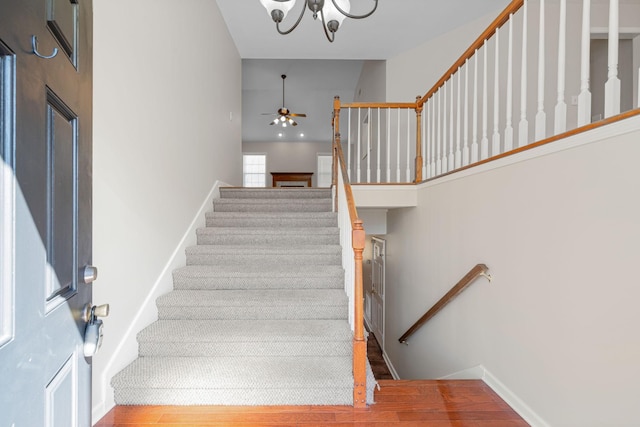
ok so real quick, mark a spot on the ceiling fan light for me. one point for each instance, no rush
(284, 6)
(332, 14)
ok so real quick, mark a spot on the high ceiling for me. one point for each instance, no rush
(397, 25)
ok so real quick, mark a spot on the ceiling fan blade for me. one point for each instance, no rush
(298, 115)
(268, 114)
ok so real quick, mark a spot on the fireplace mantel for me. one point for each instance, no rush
(291, 179)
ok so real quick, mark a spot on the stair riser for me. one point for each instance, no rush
(239, 349)
(271, 222)
(243, 283)
(253, 313)
(276, 240)
(236, 396)
(288, 193)
(263, 259)
(268, 207)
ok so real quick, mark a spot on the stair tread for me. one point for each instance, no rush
(236, 372)
(252, 298)
(263, 331)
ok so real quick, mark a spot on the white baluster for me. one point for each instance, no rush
(408, 145)
(560, 122)
(508, 130)
(523, 126)
(425, 152)
(450, 158)
(368, 146)
(465, 149)
(584, 99)
(388, 144)
(358, 157)
(484, 143)
(349, 146)
(439, 142)
(612, 87)
(541, 117)
(398, 151)
(458, 155)
(434, 141)
(378, 156)
(444, 128)
(474, 143)
(495, 141)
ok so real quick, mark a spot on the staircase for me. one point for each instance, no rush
(258, 316)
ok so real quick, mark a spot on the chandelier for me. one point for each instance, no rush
(332, 13)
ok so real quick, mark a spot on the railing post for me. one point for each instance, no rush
(359, 344)
(419, 107)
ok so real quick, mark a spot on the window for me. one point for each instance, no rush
(324, 170)
(254, 170)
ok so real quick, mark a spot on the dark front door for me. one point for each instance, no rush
(45, 216)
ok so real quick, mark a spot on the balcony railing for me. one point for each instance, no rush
(527, 80)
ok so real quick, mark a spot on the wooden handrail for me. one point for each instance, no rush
(358, 243)
(411, 105)
(513, 7)
(473, 274)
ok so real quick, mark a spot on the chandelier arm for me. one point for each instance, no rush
(324, 27)
(348, 15)
(304, 8)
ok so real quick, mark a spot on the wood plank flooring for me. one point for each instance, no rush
(405, 403)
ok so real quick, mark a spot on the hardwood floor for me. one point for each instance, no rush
(457, 403)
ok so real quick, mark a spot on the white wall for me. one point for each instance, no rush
(289, 156)
(372, 84)
(556, 326)
(415, 71)
(167, 74)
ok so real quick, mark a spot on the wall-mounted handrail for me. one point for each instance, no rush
(476, 272)
(344, 195)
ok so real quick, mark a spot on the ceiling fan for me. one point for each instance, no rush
(284, 116)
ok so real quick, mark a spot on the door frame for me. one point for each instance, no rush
(7, 193)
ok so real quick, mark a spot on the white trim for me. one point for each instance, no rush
(517, 404)
(127, 349)
(479, 372)
(589, 137)
(392, 368)
(7, 197)
(7, 245)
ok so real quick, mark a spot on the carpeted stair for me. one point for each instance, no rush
(258, 316)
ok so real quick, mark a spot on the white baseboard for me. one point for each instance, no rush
(514, 401)
(479, 372)
(392, 369)
(127, 349)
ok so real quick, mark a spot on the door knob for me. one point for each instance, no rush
(89, 274)
(93, 331)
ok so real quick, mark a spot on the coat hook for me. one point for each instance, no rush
(34, 46)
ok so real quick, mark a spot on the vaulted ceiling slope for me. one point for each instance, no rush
(397, 26)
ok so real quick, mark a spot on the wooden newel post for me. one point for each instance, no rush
(419, 106)
(334, 149)
(359, 344)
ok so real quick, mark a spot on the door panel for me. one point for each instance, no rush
(378, 290)
(45, 131)
(61, 225)
(62, 22)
